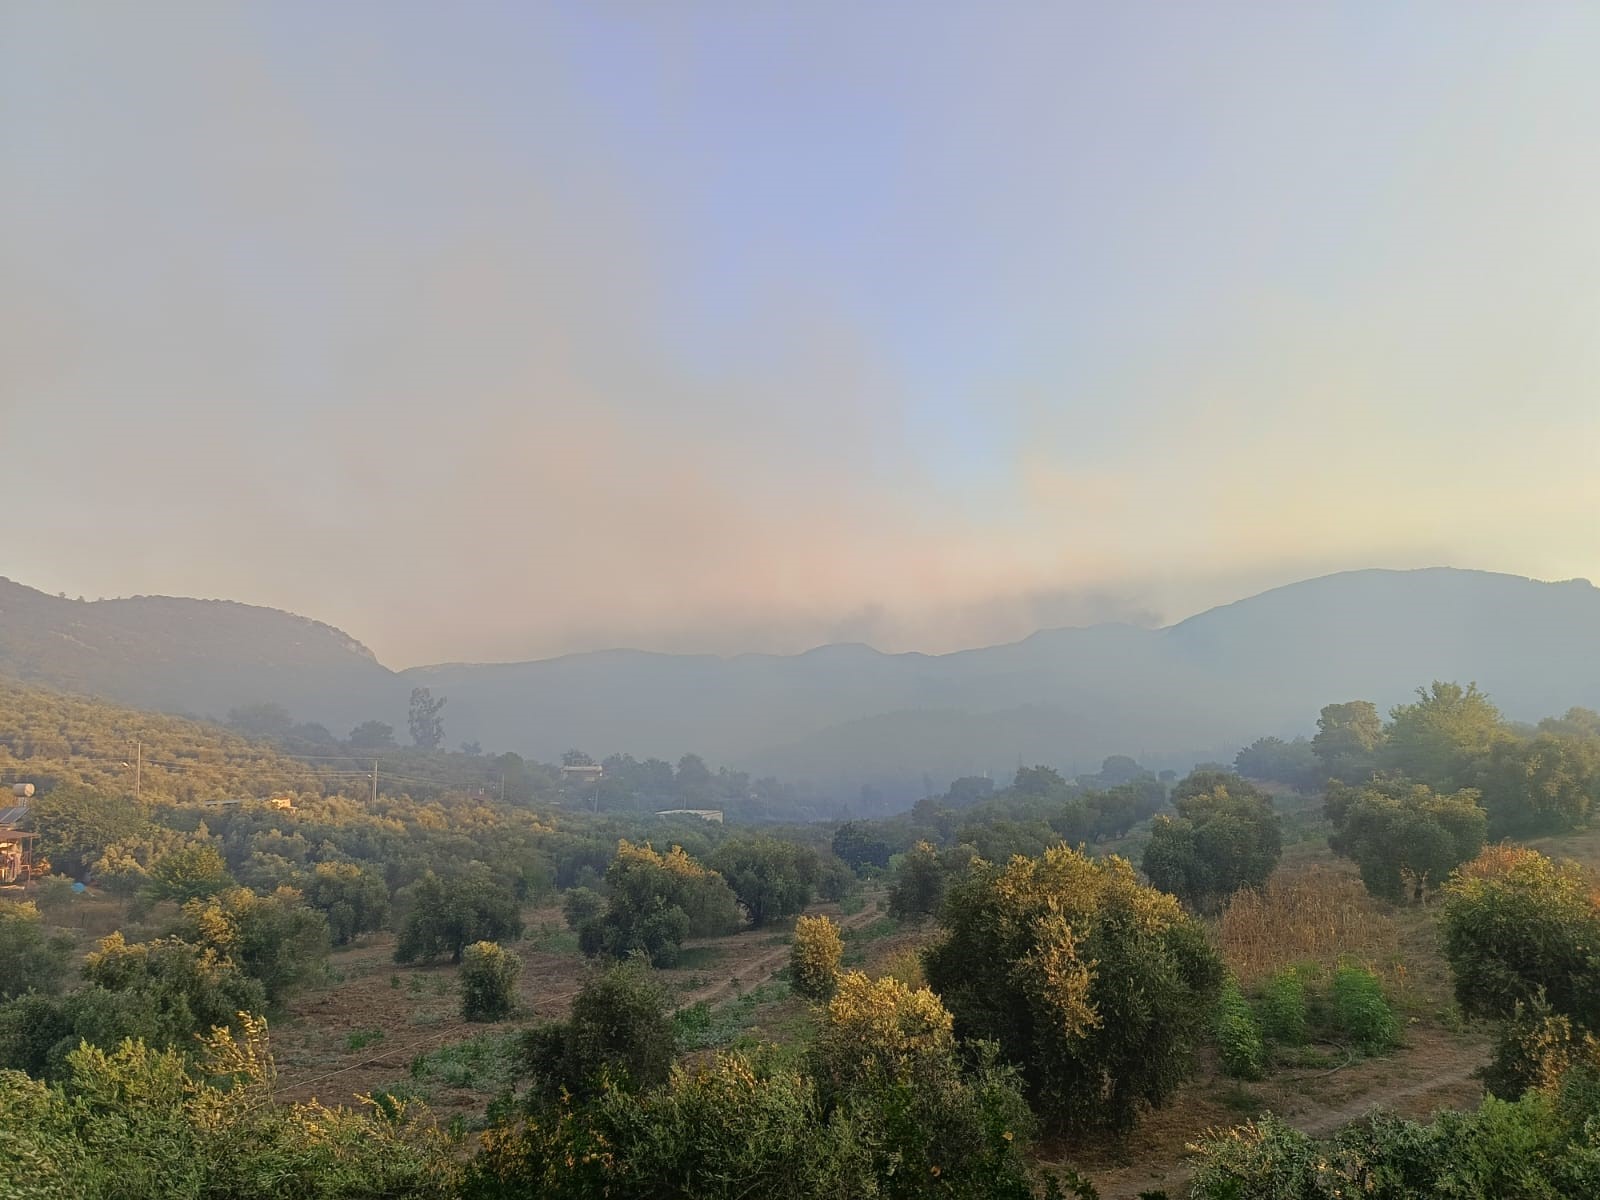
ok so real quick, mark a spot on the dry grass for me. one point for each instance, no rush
(1316, 914)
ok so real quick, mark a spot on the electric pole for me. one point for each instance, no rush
(138, 769)
(374, 782)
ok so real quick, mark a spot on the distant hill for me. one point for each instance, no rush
(201, 657)
(846, 715)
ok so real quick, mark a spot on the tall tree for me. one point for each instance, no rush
(1347, 740)
(427, 726)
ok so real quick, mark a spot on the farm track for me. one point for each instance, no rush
(310, 1046)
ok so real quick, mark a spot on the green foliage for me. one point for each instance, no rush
(1094, 985)
(488, 982)
(1543, 1146)
(1348, 741)
(1437, 739)
(737, 1127)
(1405, 837)
(655, 901)
(354, 899)
(188, 873)
(31, 960)
(814, 957)
(275, 939)
(1361, 1011)
(581, 905)
(1519, 929)
(447, 915)
(1273, 760)
(771, 878)
(1239, 1045)
(136, 1122)
(619, 1034)
(919, 883)
(427, 727)
(75, 825)
(1549, 783)
(1284, 1010)
(1225, 837)
(858, 847)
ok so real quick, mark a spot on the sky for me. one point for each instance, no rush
(492, 332)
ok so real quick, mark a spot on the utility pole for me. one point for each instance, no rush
(502, 787)
(374, 782)
(138, 769)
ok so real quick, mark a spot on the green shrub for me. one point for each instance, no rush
(488, 981)
(1238, 1037)
(1361, 1012)
(1284, 1012)
(814, 957)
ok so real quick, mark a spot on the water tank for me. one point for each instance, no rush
(22, 790)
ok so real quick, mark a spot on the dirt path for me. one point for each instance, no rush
(754, 971)
(1451, 1086)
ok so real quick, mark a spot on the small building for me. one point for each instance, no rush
(582, 773)
(16, 846)
(705, 814)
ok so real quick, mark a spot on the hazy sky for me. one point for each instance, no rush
(495, 331)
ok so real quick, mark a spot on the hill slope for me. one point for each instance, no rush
(843, 715)
(192, 656)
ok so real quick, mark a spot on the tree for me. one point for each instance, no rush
(137, 1121)
(655, 901)
(859, 847)
(1548, 783)
(580, 906)
(1094, 985)
(1437, 739)
(488, 982)
(1039, 781)
(1349, 737)
(1273, 760)
(1221, 840)
(354, 900)
(1405, 837)
(447, 915)
(275, 939)
(619, 1033)
(372, 735)
(919, 883)
(30, 959)
(427, 726)
(75, 825)
(188, 873)
(771, 878)
(1519, 929)
(814, 957)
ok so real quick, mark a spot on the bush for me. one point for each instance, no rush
(620, 1033)
(1361, 1012)
(918, 886)
(194, 872)
(814, 957)
(1284, 1013)
(770, 877)
(275, 939)
(488, 982)
(354, 900)
(1519, 929)
(448, 915)
(1405, 838)
(1224, 837)
(30, 959)
(1094, 985)
(655, 901)
(581, 905)
(1239, 1043)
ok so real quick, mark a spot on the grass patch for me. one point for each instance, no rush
(698, 958)
(703, 1026)
(490, 1063)
(362, 1038)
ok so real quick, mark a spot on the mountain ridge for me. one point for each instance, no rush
(848, 713)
